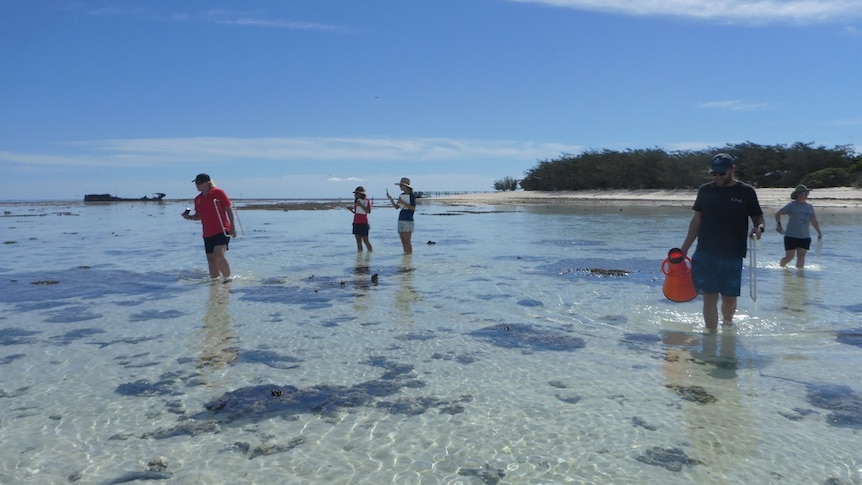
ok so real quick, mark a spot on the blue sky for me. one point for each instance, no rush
(310, 98)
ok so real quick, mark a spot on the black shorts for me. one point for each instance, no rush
(361, 229)
(218, 240)
(791, 243)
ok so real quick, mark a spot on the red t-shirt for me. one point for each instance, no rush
(212, 207)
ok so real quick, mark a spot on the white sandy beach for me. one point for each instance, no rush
(831, 197)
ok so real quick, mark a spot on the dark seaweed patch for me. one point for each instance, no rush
(420, 405)
(845, 404)
(73, 314)
(268, 358)
(640, 341)
(74, 335)
(145, 388)
(850, 337)
(671, 458)
(416, 336)
(693, 393)
(17, 336)
(155, 315)
(529, 337)
(265, 401)
(308, 298)
(530, 303)
(487, 474)
(11, 358)
(570, 399)
(186, 428)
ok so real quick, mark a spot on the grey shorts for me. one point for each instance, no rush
(405, 226)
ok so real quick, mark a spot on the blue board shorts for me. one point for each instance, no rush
(716, 274)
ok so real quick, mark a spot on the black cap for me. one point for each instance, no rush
(201, 178)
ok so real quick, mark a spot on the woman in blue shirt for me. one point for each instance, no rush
(797, 238)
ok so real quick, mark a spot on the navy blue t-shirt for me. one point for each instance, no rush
(725, 212)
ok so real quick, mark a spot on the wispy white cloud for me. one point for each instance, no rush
(227, 17)
(170, 151)
(220, 17)
(733, 105)
(741, 11)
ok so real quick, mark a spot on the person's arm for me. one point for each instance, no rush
(391, 200)
(229, 211)
(758, 226)
(187, 215)
(778, 222)
(816, 227)
(693, 231)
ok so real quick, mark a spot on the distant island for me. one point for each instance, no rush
(157, 197)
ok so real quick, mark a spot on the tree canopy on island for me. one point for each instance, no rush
(655, 168)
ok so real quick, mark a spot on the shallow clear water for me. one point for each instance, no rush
(502, 353)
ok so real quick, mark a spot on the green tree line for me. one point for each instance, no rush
(758, 165)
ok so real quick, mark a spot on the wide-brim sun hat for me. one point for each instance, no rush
(798, 190)
(359, 190)
(404, 181)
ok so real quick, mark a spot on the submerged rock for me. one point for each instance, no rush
(488, 475)
(693, 393)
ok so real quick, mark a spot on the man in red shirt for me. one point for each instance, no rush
(212, 208)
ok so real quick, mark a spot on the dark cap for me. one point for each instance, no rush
(201, 178)
(720, 163)
(800, 189)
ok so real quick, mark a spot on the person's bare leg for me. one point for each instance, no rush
(800, 257)
(788, 256)
(710, 311)
(218, 262)
(728, 309)
(367, 243)
(358, 243)
(406, 242)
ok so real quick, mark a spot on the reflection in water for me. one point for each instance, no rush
(406, 294)
(362, 281)
(795, 290)
(217, 334)
(702, 371)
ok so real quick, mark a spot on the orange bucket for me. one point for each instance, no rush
(678, 286)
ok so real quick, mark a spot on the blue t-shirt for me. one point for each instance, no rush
(800, 214)
(409, 199)
(724, 218)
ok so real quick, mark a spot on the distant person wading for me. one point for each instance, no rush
(213, 209)
(407, 203)
(797, 237)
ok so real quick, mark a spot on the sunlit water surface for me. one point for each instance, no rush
(504, 350)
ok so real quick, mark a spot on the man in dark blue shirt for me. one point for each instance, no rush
(720, 226)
